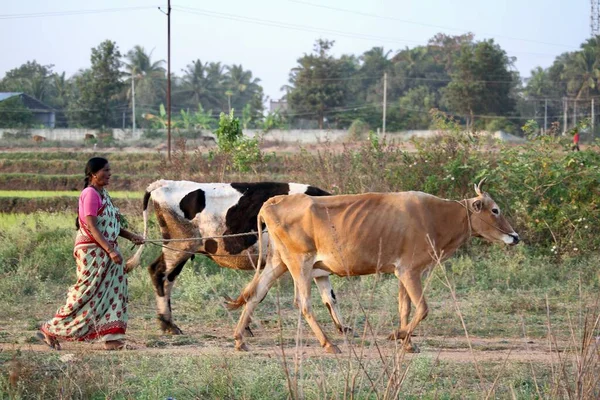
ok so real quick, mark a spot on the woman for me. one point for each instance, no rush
(96, 307)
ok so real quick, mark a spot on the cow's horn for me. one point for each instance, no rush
(478, 187)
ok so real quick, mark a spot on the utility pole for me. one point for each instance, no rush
(593, 118)
(545, 116)
(564, 116)
(132, 103)
(595, 18)
(384, 99)
(169, 80)
(229, 93)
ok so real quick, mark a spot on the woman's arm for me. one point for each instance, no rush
(91, 222)
(133, 237)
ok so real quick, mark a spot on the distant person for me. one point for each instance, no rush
(576, 141)
(96, 307)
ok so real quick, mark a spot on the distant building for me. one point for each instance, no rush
(42, 113)
(278, 105)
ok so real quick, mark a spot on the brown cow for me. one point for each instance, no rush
(365, 234)
(38, 138)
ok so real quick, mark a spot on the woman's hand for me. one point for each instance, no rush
(116, 256)
(137, 239)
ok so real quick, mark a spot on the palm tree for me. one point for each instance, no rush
(581, 72)
(202, 85)
(148, 78)
(62, 90)
(241, 85)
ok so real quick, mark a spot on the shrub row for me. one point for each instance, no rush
(74, 167)
(81, 156)
(70, 182)
(14, 205)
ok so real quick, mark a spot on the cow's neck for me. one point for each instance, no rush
(453, 231)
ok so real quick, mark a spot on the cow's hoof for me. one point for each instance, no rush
(175, 330)
(411, 348)
(241, 347)
(248, 331)
(397, 335)
(168, 326)
(332, 349)
(344, 329)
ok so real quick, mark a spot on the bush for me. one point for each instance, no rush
(20, 134)
(358, 129)
(500, 124)
(228, 132)
(230, 140)
(153, 133)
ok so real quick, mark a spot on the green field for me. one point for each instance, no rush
(507, 298)
(515, 322)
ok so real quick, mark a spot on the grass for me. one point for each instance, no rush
(528, 300)
(494, 290)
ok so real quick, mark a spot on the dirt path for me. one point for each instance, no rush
(450, 349)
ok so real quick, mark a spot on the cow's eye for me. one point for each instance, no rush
(495, 211)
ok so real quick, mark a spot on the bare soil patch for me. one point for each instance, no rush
(265, 344)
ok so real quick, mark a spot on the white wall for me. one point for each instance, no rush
(284, 136)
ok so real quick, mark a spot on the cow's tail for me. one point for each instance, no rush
(135, 261)
(250, 289)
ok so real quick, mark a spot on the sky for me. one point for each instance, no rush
(268, 36)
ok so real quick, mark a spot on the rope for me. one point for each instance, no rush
(203, 253)
(152, 241)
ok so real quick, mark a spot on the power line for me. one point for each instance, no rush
(423, 24)
(277, 24)
(353, 35)
(73, 12)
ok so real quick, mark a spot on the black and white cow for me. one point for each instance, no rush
(187, 209)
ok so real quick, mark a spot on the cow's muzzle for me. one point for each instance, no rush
(515, 237)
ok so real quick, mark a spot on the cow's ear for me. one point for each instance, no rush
(477, 205)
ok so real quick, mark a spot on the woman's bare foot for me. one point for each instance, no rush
(49, 340)
(114, 345)
(117, 345)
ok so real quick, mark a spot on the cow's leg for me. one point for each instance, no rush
(164, 270)
(404, 305)
(414, 288)
(300, 267)
(268, 276)
(328, 298)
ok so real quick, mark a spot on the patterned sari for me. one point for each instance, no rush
(96, 305)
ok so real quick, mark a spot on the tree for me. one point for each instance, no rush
(99, 89)
(14, 114)
(316, 86)
(581, 72)
(244, 90)
(149, 78)
(202, 84)
(414, 108)
(31, 78)
(481, 81)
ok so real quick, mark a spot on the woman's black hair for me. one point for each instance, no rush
(93, 165)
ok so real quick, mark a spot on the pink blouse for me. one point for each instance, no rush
(90, 202)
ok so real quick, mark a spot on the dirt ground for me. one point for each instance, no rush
(265, 344)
